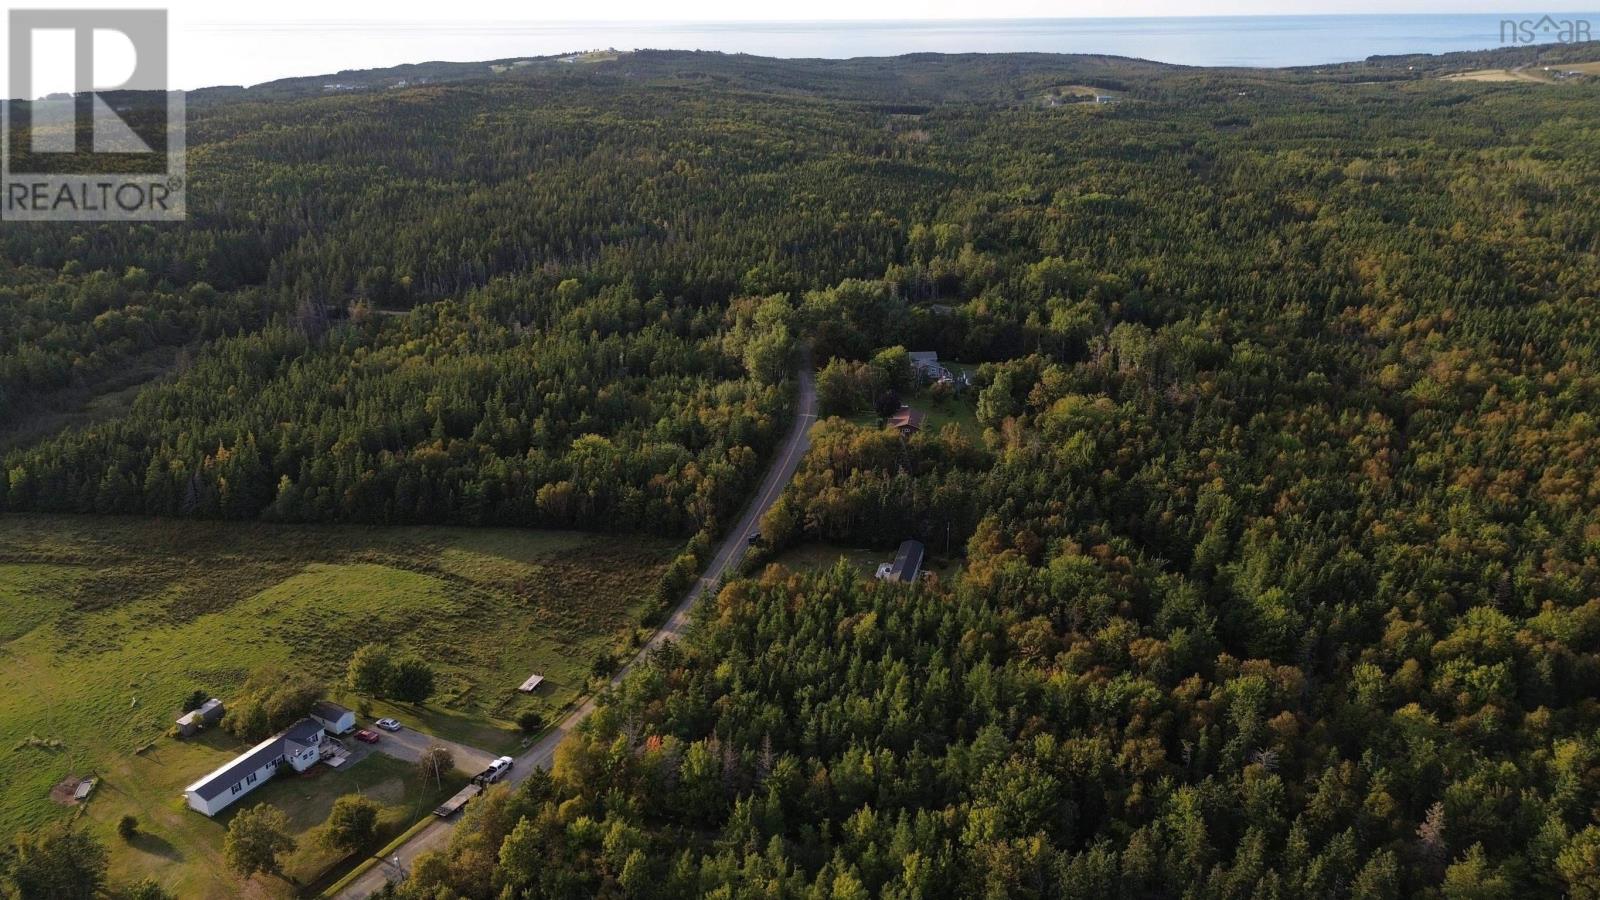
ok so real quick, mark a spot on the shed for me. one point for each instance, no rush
(211, 711)
(208, 713)
(532, 684)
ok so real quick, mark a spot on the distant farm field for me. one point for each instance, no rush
(106, 624)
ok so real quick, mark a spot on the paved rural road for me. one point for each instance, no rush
(543, 752)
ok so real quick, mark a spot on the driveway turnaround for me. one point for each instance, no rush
(408, 744)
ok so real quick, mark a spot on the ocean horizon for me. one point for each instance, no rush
(208, 55)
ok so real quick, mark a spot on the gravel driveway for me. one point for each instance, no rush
(408, 744)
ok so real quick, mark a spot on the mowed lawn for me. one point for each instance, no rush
(106, 624)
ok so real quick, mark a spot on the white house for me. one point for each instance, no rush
(299, 747)
(335, 718)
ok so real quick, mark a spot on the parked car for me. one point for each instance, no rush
(387, 724)
(367, 737)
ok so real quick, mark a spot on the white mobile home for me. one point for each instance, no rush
(299, 747)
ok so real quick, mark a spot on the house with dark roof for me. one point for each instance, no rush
(907, 421)
(333, 717)
(907, 563)
(298, 747)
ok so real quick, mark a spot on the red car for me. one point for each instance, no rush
(367, 737)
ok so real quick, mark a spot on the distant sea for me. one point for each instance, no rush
(239, 54)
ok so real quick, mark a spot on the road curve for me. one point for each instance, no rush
(543, 751)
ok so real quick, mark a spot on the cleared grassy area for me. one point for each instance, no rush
(960, 409)
(106, 624)
(1525, 76)
(182, 849)
(1505, 75)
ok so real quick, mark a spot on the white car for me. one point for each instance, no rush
(387, 724)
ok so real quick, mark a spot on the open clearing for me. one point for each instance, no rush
(1539, 75)
(106, 624)
(960, 410)
(1521, 75)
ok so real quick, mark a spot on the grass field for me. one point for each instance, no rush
(1513, 75)
(1538, 75)
(106, 624)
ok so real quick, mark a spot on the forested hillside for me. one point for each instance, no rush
(1278, 529)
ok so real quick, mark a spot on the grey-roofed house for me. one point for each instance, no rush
(907, 563)
(299, 747)
(335, 718)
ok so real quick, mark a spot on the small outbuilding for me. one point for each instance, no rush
(333, 717)
(532, 684)
(207, 714)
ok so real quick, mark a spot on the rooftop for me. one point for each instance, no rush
(907, 562)
(906, 417)
(327, 709)
(231, 773)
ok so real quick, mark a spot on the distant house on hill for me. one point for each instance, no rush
(299, 748)
(333, 717)
(907, 421)
(207, 714)
(907, 563)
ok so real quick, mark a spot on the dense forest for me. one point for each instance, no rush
(1278, 537)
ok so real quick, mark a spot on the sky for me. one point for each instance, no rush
(220, 42)
(190, 12)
